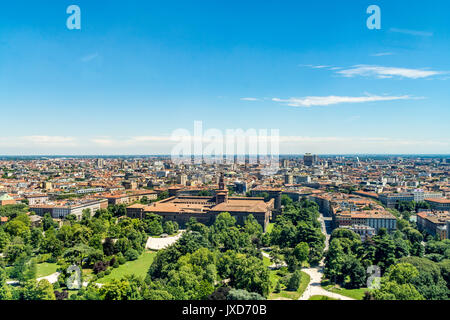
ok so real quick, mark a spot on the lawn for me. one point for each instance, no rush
(46, 269)
(357, 294)
(321, 298)
(42, 269)
(138, 267)
(293, 295)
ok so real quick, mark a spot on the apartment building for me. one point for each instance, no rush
(434, 223)
(439, 204)
(34, 199)
(390, 200)
(371, 218)
(63, 209)
(364, 231)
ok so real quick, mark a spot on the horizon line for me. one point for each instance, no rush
(225, 155)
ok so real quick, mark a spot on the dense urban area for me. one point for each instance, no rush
(146, 228)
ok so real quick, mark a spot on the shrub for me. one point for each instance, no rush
(239, 294)
(45, 258)
(220, 294)
(61, 295)
(131, 255)
(120, 258)
(277, 287)
(99, 266)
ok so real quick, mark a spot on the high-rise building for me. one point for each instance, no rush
(240, 187)
(100, 163)
(309, 159)
(182, 179)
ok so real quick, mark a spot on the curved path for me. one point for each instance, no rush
(161, 243)
(51, 278)
(314, 287)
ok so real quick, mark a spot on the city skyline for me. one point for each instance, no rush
(136, 72)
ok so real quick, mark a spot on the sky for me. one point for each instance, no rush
(137, 71)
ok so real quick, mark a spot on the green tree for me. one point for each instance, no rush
(24, 268)
(33, 290)
(5, 291)
(301, 252)
(48, 222)
(294, 281)
(17, 228)
(395, 285)
(155, 228)
(78, 253)
(168, 227)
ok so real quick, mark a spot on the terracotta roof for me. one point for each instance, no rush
(442, 200)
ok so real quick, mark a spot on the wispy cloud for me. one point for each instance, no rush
(103, 141)
(111, 145)
(387, 72)
(382, 54)
(38, 141)
(332, 100)
(382, 72)
(412, 32)
(90, 57)
(315, 66)
(250, 99)
(51, 140)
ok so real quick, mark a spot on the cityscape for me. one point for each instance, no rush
(222, 159)
(313, 230)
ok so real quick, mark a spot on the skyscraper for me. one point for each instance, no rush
(309, 159)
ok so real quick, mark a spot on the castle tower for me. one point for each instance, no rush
(222, 192)
(221, 182)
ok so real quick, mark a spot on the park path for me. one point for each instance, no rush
(53, 278)
(161, 243)
(314, 287)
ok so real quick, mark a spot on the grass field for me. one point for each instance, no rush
(293, 295)
(357, 294)
(321, 298)
(138, 267)
(42, 269)
(46, 269)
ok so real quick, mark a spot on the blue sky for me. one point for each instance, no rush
(138, 70)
